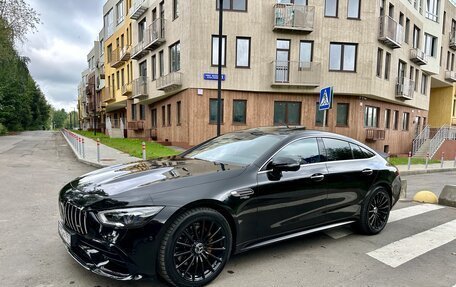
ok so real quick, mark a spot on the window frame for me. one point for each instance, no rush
(249, 52)
(342, 58)
(223, 51)
(222, 116)
(168, 115)
(359, 10)
(231, 9)
(175, 9)
(369, 124)
(346, 124)
(405, 121)
(174, 50)
(179, 113)
(245, 112)
(286, 113)
(337, 10)
(325, 116)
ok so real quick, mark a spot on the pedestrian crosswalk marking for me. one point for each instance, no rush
(404, 250)
(395, 215)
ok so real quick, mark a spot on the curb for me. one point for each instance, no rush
(79, 158)
(425, 171)
(448, 196)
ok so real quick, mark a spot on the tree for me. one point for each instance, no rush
(20, 18)
(58, 118)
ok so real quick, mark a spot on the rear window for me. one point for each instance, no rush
(337, 150)
(360, 152)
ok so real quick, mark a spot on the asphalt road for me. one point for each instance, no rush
(35, 165)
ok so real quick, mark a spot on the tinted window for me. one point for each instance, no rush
(368, 154)
(357, 152)
(305, 151)
(337, 150)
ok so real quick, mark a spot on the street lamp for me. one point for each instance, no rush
(219, 79)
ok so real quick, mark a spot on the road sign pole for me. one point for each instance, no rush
(409, 160)
(442, 160)
(427, 160)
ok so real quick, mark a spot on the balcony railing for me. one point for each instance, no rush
(127, 89)
(135, 125)
(108, 94)
(418, 57)
(391, 33)
(375, 134)
(125, 53)
(294, 17)
(140, 87)
(453, 39)
(116, 60)
(405, 89)
(139, 51)
(450, 76)
(169, 82)
(296, 74)
(139, 8)
(157, 34)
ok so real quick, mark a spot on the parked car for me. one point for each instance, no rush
(183, 217)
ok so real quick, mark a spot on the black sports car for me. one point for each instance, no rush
(182, 217)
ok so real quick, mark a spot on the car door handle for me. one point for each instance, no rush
(317, 177)
(367, 171)
(245, 193)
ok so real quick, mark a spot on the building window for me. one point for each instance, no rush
(175, 9)
(430, 45)
(282, 65)
(432, 10)
(213, 111)
(239, 111)
(454, 109)
(142, 112)
(154, 118)
(174, 57)
(331, 7)
(163, 115)
(387, 118)
(215, 50)
(305, 54)
(287, 113)
(120, 11)
(154, 67)
(354, 7)
(417, 79)
(179, 113)
(169, 114)
(320, 116)
(379, 62)
(416, 37)
(143, 69)
(142, 26)
(405, 121)
(342, 57)
(109, 52)
(118, 79)
(387, 65)
(342, 115)
(424, 80)
(407, 30)
(233, 5)
(161, 63)
(371, 117)
(133, 112)
(242, 52)
(395, 119)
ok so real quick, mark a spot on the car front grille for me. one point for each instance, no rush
(74, 217)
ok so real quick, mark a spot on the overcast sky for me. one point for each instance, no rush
(58, 51)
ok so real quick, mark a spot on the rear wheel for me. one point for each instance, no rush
(375, 212)
(195, 249)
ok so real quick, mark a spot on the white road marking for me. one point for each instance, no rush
(395, 215)
(404, 250)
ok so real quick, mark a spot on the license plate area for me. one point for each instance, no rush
(66, 236)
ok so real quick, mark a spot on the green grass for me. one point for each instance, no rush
(132, 146)
(404, 160)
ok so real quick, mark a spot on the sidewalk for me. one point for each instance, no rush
(421, 168)
(88, 153)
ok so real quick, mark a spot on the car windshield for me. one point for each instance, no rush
(235, 148)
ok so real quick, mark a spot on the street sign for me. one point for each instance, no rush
(326, 98)
(213, 77)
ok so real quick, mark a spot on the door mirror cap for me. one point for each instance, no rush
(284, 164)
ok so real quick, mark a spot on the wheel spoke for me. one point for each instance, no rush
(216, 249)
(203, 271)
(215, 233)
(208, 263)
(215, 257)
(189, 266)
(188, 235)
(215, 241)
(183, 262)
(184, 244)
(182, 253)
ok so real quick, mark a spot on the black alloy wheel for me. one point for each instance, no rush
(375, 212)
(196, 248)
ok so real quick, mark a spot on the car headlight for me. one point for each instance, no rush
(128, 217)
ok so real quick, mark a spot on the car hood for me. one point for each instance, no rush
(135, 183)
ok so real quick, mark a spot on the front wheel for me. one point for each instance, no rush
(375, 212)
(195, 249)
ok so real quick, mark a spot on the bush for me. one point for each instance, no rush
(3, 130)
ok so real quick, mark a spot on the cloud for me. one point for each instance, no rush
(58, 51)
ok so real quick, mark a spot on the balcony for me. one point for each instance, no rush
(139, 8)
(296, 18)
(156, 34)
(139, 88)
(127, 89)
(450, 76)
(418, 57)
(452, 42)
(136, 125)
(296, 74)
(108, 94)
(139, 51)
(116, 59)
(169, 82)
(125, 53)
(405, 89)
(391, 33)
(88, 90)
(375, 135)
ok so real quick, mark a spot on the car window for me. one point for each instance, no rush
(305, 151)
(368, 153)
(357, 152)
(337, 150)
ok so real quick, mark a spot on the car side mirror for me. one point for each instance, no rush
(284, 164)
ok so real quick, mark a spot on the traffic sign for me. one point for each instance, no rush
(326, 98)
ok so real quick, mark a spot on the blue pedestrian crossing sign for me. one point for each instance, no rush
(326, 98)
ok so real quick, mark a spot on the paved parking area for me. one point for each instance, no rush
(417, 248)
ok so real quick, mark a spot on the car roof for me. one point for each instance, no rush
(291, 131)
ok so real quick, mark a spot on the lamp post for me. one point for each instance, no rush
(219, 79)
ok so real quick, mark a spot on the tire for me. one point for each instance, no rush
(195, 248)
(374, 212)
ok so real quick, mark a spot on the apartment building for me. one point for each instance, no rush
(118, 68)
(83, 110)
